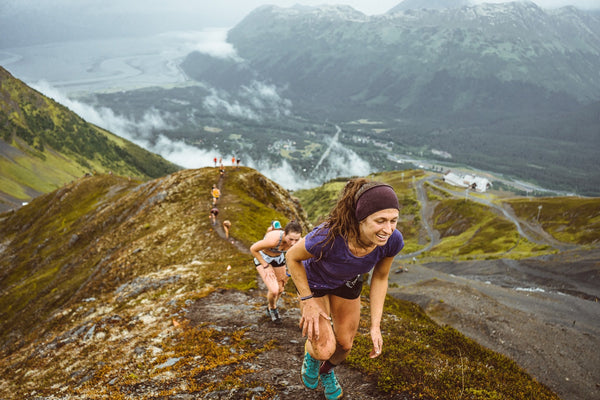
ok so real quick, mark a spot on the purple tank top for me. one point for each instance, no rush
(338, 264)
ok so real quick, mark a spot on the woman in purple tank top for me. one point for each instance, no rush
(359, 236)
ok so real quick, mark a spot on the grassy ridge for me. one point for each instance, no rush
(469, 230)
(51, 241)
(104, 250)
(568, 219)
(62, 240)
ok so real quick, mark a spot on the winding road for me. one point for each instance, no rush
(532, 232)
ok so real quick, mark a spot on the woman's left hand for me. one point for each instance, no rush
(377, 342)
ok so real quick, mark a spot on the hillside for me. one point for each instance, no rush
(43, 145)
(520, 275)
(116, 289)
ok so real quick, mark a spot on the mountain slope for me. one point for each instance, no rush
(88, 217)
(111, 289)
(44, 145)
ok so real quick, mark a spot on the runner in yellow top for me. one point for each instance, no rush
(216, 193)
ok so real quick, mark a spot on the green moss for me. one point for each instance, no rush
(421, 359)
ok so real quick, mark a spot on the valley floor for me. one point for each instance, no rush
(551, 329)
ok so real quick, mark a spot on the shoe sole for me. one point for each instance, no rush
(337, 398)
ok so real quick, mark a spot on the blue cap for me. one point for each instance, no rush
(276, 225)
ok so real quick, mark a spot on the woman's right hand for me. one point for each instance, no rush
(311, 315)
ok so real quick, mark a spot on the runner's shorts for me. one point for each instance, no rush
(349, 290)
(278, 261)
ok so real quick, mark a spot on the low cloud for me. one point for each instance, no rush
(214, 43)
(211, 41)
(340, 161)
(336, 161)
(220, 102)
(255, 101)
(266, 98)
(141, 132)
(283, 173)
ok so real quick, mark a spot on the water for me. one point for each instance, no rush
(78, 67)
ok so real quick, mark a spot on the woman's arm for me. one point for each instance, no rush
(293, 258)
(311, 310)
(267, 242)
(379, 286)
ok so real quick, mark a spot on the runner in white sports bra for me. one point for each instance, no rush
(269, 258)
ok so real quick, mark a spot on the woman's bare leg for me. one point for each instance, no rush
(345, 315)
(268, 277)
(323, 347)
(282, 278)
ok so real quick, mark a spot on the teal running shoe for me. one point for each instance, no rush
(333, 390)
(310, 371)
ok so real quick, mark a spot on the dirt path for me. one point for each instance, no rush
(230, 310)
(219, 225)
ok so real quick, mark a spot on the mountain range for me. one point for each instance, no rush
(496, 59)
(498, 86)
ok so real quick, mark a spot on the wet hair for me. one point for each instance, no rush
(293, 226)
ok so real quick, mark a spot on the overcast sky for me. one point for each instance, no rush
(222, 13)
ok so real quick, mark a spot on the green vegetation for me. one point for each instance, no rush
(319, 201)
(47, 236)
(426, 361)
(568, 219)
(470, 230)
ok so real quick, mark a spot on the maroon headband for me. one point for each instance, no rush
(373, 197)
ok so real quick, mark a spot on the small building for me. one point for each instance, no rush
(473, 182)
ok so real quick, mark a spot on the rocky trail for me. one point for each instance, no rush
(229, 310)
